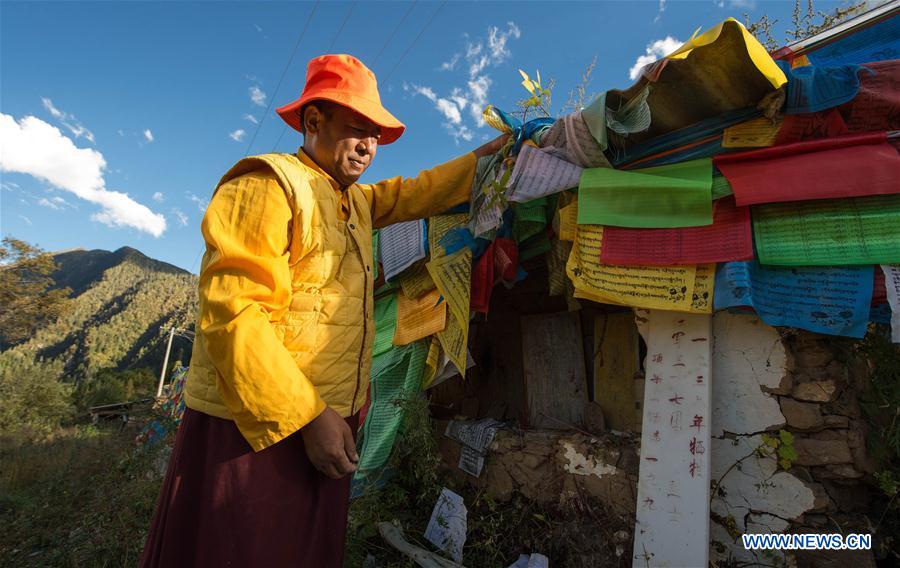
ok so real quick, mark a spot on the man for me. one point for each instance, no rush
(259, 475)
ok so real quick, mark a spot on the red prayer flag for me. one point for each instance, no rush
(728, 238)
(848, 166)
(499, 262)
(879, 290)
(482, 281)
(875, 108)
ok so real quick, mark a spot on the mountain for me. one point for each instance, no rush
(123, 305)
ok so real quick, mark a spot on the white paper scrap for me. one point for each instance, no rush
(538, 173)
(401, 245)
(447, 526)
(447, 370)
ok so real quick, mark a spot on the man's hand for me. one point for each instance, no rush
(329, 444)
(491, 147)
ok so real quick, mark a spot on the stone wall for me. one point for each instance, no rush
(764, 380)
(808, 384)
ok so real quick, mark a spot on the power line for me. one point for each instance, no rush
(340, 29)
(280, 79)
(284, 126)
(393, 33)
(422, 31)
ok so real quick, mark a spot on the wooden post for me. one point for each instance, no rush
(672, 528)
(162, 373)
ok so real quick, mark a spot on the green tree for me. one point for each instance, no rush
(27, 301)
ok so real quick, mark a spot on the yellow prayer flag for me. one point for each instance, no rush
(757, 133)
(655, 287)
(419, 318)
(757, 53)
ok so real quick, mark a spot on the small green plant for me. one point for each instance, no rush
(780, 447)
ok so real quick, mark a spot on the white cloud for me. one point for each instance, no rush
(451, 65)
(159, 197)
(69, 121)
(34, 147)
(472, 95)
(148, 136)
(251, 118)
(200, 203)
(257, 96)
(44, 202)
(747, 4)
(8, 185)
(258, 28)
(237, 135)
(655, 50)
(180, 217)
(26, 219)
(121, 132)
(660, 10)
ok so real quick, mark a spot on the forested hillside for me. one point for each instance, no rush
(123, 304)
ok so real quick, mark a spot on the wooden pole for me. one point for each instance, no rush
(162, 373)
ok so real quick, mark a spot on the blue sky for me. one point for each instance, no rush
(138, 108)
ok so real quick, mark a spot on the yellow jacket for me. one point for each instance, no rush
(285, 324)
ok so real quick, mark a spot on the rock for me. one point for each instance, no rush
(848, 497)
(846, 405)
(812, 356)
(815, 391)
(835, 421)
(801, 415)
(856, 439)
(821, 452)
(842, 471)
(823, 502)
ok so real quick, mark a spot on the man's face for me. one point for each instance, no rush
(343, 141)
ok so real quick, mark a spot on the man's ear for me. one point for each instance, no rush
(311, 120)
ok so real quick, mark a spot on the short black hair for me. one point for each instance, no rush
(325, 107)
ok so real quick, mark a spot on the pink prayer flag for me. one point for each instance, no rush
(728, 238)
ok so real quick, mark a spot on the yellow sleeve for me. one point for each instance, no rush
(245, 285)
(431, 192)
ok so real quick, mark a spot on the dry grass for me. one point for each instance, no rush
(82, 497)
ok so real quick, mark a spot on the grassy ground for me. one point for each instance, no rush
(83, 497)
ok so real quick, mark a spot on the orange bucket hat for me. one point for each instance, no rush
(344, 79)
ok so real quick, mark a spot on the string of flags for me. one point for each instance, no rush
(726, 178)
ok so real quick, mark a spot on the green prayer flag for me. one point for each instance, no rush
(829, 232)
(385, 323)
(396, 376)
(676, 195)
(530, 219)
(720, 187)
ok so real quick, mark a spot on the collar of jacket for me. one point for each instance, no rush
(309, 162)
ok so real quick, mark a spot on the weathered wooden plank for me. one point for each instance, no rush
(555, 381)
(616, 348)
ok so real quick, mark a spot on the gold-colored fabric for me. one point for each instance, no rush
(285, 324)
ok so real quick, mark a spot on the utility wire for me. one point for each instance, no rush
(393, 33)
(340, 29)
(422, 31)
(280, 79)
(284, 126)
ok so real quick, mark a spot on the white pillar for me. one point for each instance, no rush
(672, 528)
